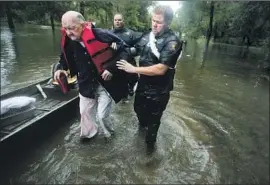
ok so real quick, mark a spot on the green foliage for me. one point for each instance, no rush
(101, 12)
(233, 21)
(37, 12)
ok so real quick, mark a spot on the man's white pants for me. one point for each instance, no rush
(93, 110)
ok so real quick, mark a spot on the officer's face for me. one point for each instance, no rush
(118, 21)
(158, 23)
(72, 28)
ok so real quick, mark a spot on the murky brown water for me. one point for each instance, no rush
(214, 130)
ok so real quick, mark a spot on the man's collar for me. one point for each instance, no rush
(119, 29)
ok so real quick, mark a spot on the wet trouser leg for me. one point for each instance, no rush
(96, 109)
(126, 89)
(88, 122)
(149, 110)
(104, 107)
(132, 79)
(140, 109)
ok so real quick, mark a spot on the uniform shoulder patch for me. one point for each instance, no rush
(172, 46)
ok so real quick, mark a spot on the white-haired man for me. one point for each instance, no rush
(86, 52)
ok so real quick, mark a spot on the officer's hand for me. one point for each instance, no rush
(114, 46)
(124, 65)
(58, 72)
(106, 75)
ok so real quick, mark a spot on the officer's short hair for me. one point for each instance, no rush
(120, 15)
(166, 11)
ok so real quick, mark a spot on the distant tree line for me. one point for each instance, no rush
(50, 12)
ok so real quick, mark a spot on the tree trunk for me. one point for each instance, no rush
(9, 16)
(215, 32)
(82, 5)
(267, 58)
(52, 20)
(266, 63)
(50, 10)
(106, 17)
(245, 49)
(209, 33)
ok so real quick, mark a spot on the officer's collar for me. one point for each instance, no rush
(119, 29)
(162, 32)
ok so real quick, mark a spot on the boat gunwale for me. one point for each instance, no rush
(38, 118)
(22, 89)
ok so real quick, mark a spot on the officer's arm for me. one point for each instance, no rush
(170, 53)
(154, 70)
(107, 36)
(167, 59)
(138, 43)
(136, 36)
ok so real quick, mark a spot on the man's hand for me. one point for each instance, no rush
(114, 46)
(106, 75)
(124, 65)
(58, 72)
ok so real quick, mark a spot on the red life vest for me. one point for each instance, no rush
(99, 52)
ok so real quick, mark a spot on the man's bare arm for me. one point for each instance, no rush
(154, 70)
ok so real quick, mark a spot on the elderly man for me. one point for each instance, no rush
(130, 37)
(86, 52)
(158, 50)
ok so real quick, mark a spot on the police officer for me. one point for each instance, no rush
(130, 37)
(158, 50)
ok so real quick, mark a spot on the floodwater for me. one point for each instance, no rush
(215, 128)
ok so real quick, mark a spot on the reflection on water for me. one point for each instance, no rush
(27, 55)
(8, 55)
(214, 130)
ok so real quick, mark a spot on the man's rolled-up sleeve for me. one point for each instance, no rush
(170, 53)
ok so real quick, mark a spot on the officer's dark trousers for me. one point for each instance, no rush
(132, 80)
(149, 110)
